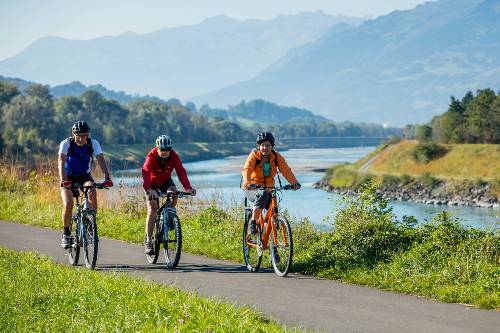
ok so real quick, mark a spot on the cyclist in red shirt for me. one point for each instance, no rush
(157, 175)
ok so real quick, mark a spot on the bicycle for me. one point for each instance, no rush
(85, 235)
(167, 231)
(273, 233)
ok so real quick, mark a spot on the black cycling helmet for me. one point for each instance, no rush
(80, 127)
(265, 136)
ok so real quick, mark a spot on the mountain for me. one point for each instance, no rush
(174, 62)
(76, 88)
(262, 112)
(397, 69)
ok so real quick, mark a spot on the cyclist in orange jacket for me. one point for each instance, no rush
(260, 168)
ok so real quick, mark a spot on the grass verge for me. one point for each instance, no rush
(38, 295)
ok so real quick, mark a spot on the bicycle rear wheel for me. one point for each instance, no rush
(252, 246)
(155, 239)
(282, 249)
(90, 241)
(172, 241)
(74, 250)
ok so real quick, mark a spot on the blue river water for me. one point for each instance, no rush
(219, 180)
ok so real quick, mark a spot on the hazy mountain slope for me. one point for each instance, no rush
(174, 62)
(400, 68)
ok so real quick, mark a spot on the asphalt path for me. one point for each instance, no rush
(294, 301)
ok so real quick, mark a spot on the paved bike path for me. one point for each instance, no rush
(295, 301)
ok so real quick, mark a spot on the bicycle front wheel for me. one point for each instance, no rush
(74, 250)
(252, 246)
(281, 246)
(155, 239)
(90, 241)
(172, 241)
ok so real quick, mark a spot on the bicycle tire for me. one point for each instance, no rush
(90, 241)
(74, 250)
(252, 246)
(282, 252)
(172, 241)
(155, 239)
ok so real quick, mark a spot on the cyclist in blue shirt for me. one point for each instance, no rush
(76, 155)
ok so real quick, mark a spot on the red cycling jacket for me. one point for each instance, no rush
(156, 173)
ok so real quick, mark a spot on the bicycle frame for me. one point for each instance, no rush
(266, 223)
(82, 209)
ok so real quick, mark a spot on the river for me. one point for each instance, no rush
(219, 180)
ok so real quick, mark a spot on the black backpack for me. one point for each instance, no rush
(90, 149)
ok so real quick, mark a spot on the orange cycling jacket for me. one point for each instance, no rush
(253, 169)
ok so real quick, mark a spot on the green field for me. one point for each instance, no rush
(40, 296)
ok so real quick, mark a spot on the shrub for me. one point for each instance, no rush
(390, 180)
(426, 152)
(405, 179)
(429, 181)
(365, 233)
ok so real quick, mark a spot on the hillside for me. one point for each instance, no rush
(76, 88)
(182, 61)
(462, 161)
(397, 69)
(467, 174)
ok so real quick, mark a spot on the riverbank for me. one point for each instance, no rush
(465, 175)
(368, 246)
(125, 156)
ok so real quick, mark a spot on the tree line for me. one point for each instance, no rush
(34, 121)
(472, 119)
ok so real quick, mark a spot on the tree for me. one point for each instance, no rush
(424, 133)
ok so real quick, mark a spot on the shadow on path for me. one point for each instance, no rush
(182, 268)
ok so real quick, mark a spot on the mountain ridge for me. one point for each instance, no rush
(400, 68)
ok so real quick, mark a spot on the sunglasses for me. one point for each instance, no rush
(166, 149)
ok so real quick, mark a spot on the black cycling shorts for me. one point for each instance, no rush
(262, 200)
(80, 180)
(164, 187)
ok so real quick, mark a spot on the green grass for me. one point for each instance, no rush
(38, 295)
(368, 245)
(461, 161)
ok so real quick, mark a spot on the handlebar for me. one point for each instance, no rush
(275, 188)
(77, 186)
(171, 194)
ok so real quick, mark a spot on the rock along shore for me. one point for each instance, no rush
(443, 193)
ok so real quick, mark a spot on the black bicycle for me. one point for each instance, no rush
(167, 231)
(85, 234)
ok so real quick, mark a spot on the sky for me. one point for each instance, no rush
(24, 21)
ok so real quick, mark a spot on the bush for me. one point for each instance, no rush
(429, 181)
(405, 179)
(390, 180)
(365, 233)
(426, 152)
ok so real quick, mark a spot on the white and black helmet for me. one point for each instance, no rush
(80, 127)
(163, 142)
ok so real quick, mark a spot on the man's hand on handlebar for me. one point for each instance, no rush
(191, 191)
(296, 186)
(108, 183)
(66, 183)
